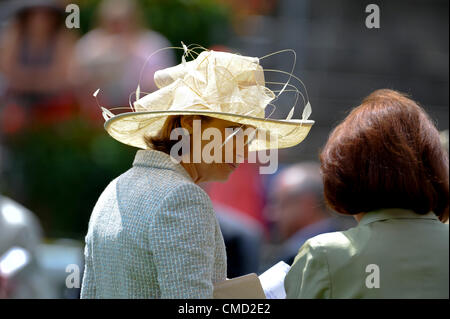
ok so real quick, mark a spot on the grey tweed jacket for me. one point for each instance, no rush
(153, 234)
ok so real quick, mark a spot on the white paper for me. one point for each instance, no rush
(272, 281)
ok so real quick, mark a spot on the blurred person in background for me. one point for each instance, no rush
(113, 55)
(298, 209)
(19, 228)
(35, 54)
(384, 165)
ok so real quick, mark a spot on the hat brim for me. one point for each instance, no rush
(131, 127)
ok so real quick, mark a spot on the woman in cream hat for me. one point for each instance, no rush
(153, 232)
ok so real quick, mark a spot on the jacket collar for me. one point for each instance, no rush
(161, 160)
(394, 213)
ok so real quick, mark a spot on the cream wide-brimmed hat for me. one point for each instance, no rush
(221, 85)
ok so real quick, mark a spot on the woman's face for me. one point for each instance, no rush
(220, 153)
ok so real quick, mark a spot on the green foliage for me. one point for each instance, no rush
(63, 169)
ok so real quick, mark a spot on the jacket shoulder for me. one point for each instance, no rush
(146, 188)
(335, 240)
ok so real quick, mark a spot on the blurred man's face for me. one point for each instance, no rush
(287, 209)
(292, 212)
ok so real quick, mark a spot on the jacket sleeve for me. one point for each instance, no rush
(88, 290)
(308, 277)
(183, 243)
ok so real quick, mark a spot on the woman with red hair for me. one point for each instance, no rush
(384, 165)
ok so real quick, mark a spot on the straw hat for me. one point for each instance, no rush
(216, 84)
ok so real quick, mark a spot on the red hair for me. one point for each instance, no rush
(386, 154)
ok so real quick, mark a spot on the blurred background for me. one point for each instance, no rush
(56, 159)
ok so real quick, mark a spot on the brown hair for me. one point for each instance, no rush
(386, 154)
(162, 142)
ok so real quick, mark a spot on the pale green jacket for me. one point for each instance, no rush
(390, 254)
(153, 234)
